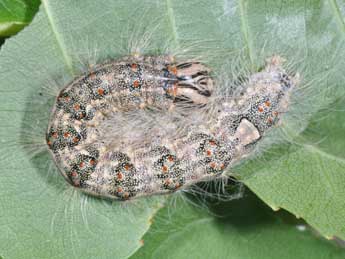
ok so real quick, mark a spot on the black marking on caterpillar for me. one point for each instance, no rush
(169, 160)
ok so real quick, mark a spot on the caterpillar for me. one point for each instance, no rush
(171, 143)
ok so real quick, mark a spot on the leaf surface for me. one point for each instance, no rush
(243, 228)
(15, 14)
(42, 217)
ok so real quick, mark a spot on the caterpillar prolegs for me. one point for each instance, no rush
(147, 125)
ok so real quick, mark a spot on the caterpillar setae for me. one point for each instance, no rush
(179, 135)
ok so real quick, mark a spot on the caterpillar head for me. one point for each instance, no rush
(194, 82)
(269, 94)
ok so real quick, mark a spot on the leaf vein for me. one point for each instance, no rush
(246, 32)
(59, 39)
(338, 16)
(172, 20)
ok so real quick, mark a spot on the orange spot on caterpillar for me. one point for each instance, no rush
(208, 152)
(100, 91)
(267, 104)
(92, 161)
(173, 90)
(75, 140)
(76, 107)
(168, 181)
(134, 67)
(213, 164)
(171, 158)
(269, 120)
(92, 75)
(260, 109)
(136, 83)
(54, 135)
(164, 168)
(212, 142)
(81, 165)
(173, 70)
(66, 134)
(119, 176)
(127, 167)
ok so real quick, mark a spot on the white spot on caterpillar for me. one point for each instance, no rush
(247, 133)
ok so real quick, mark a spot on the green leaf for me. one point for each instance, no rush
(42, 217)
(306, 176)
(238, 229)
(326, 129)
(308, 180)
(16, 14)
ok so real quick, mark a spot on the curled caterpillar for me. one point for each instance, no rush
(137, 126)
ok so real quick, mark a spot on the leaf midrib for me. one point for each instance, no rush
(246, 32)
(338, 17)
(323, 153)
(172, 20)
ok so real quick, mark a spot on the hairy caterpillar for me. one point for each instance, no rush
(163, 156)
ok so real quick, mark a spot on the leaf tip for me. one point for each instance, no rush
(275, 208)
